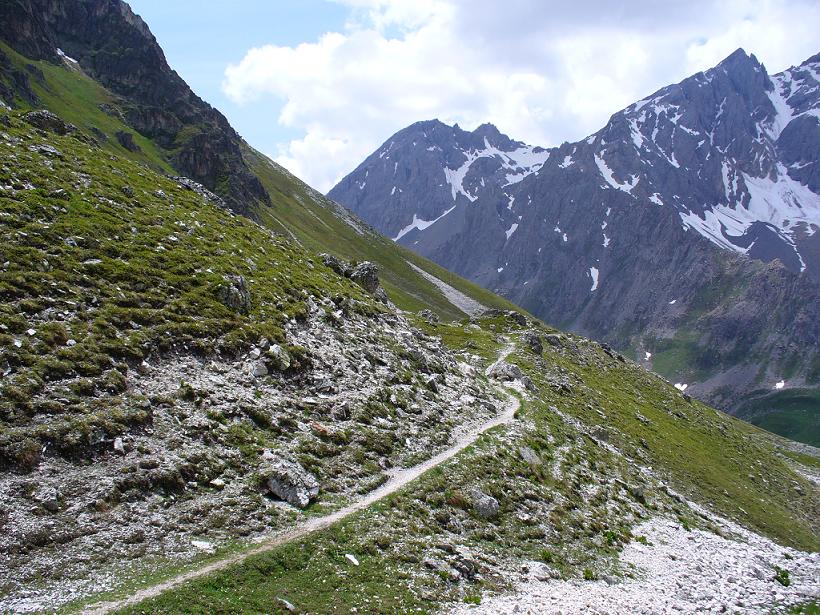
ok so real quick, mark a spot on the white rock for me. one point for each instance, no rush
(352, 559)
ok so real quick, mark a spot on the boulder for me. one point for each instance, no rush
(506, 371)
(46, 120)
(529, 456)
(517, 318)
(259, 369)
(485, 506)
(126, 139)
(533, 340)
(45, 149)
(429, 315)
(234, 294)
(553, 339)
(289, 481)
(366, 275)
(337, 265)
(278, 358)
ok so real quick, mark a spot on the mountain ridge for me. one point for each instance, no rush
(582, 240)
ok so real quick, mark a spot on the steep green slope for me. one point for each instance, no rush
(295, 208)
(322, 225)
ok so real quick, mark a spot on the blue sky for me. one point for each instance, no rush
(320, 84)
(201, 37)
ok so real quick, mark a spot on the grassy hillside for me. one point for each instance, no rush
(296, 211)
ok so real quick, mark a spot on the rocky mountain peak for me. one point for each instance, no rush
(740, 60)
(721, 166)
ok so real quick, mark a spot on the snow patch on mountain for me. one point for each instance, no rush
(783, 203)
(608, 176)
(419, 224)
(509, 232)
(520, 162)
(593, 273)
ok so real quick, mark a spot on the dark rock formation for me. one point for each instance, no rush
(46, 120)
(114, 46)
(126, 139)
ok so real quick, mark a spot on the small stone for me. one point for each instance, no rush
(31, 332)
(259, 369)
(217, 483)
(48, 498)
(352, 559)
(119, 446)
(286, 605)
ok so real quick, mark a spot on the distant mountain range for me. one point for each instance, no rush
(659, 233)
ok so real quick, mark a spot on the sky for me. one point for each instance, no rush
(318, 85)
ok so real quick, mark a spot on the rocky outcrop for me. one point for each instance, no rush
(46, 120)
(366, 275)
(289, 481)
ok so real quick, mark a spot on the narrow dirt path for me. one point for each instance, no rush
(398, 478)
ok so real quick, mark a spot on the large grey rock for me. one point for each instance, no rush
(533, 340)
(366, 275)
(485, 506)
(234, 293)
(278, 358)
(289, 481)
(46, 120)
(506, 371)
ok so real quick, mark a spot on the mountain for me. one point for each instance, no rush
(201, 411)
(683, 232)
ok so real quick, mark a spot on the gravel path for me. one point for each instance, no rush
(398, 478)
(677, 572)
(466, 304)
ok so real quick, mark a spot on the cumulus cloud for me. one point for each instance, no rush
(543, 72)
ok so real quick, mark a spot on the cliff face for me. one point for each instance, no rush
(686, 228)
(116, 48)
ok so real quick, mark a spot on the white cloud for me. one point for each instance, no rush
(543, 72)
